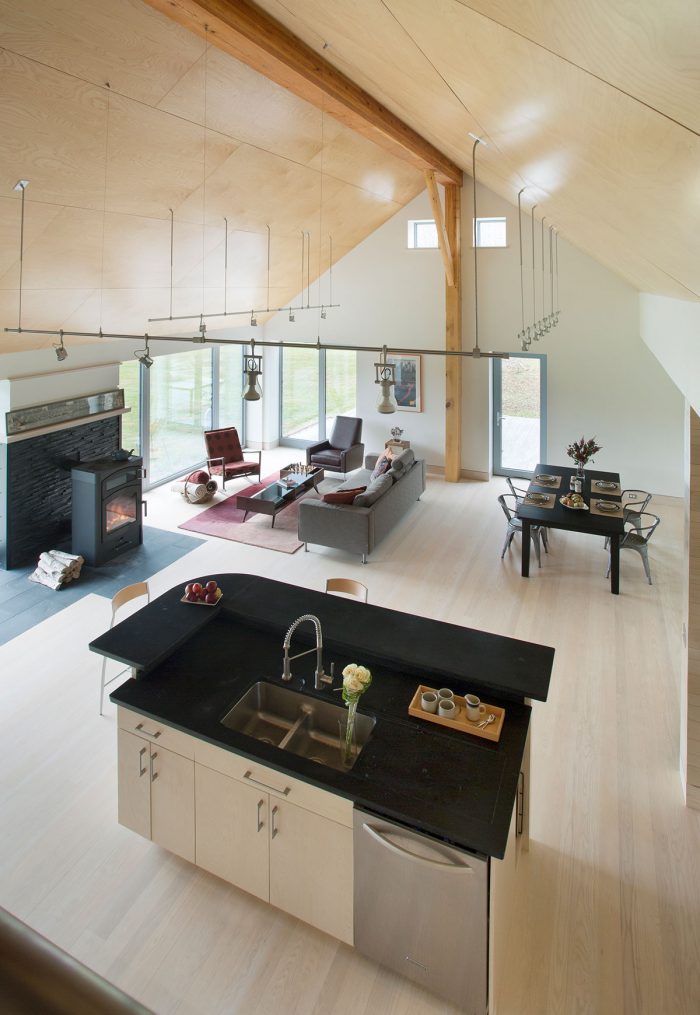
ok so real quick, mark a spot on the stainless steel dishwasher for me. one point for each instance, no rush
(421, 908)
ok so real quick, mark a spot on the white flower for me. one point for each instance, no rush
(356, 679)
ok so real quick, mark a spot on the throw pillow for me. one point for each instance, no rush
(200, 476)
(403, 462)
(343, 496)
(374, 491)
(383, 465)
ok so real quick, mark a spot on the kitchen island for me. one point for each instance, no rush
(184, 776)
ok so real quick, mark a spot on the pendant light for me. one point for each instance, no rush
(253, 370)
(61, 351)
(524, 334)
(385, 376)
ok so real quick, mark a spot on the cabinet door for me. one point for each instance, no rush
(311, 869)
(134, 786)
(172, 802)
(232, 831)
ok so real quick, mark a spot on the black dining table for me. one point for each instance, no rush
(560, 517)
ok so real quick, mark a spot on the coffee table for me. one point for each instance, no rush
(278, 495)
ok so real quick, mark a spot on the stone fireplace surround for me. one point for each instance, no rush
(35, 486)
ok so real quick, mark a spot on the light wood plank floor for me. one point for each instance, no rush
(607, 915)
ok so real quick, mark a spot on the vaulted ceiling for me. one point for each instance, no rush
(594, 106)
(117, 115)
(102, 109)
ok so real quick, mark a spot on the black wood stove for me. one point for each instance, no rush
(107, 508)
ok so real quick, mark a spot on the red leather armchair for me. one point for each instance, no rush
(225, 455)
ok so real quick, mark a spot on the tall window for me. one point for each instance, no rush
(130, 381)
(341, 384)
(300, 400)
(180, 409)
(422, 234)
(231, 387)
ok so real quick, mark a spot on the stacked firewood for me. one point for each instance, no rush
(56, 569)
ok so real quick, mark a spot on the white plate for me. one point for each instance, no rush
(581, 507)
(544, 477)
(538, 498)
(605, 484)
(609, 506)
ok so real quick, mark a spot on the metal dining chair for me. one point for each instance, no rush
(520, 492)
(515, 525)
(635, 539)
(119, 599)
(633, 508)
(348, 587)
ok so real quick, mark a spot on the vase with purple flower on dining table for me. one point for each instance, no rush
(582, 452)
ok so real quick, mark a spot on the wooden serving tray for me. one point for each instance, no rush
(461, 723)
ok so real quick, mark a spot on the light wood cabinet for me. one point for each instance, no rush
(232, 831)
(156, 793)
(311, 869)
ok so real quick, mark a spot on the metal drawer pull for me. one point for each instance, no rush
(275, 829)
(146, 733)
(154, 775)
(444, 864)
(261, 803)
(285, 792)
(142, 771)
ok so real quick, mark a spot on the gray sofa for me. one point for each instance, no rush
(360, 526)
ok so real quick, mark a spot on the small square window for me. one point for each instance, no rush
(422, 234)
(490, 232)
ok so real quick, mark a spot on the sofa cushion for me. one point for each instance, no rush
(383, 465)
(327, 457)
(403, 462)
(343, 496)
(374, 491)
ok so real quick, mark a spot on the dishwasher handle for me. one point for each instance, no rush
(443, 864)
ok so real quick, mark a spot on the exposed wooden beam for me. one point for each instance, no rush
(443, 241)
(252, 36)
(453, 339)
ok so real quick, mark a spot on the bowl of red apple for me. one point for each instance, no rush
(204, 593)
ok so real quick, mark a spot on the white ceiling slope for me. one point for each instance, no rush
(594, 106)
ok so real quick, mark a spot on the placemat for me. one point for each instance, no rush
(540, 504)
(595, 510)
(548, 486)
(597, 492)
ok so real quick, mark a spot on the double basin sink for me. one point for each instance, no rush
(294, 722)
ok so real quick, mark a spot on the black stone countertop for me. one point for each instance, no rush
(439, 781)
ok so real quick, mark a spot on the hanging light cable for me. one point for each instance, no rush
(556, 266)
(552, 320)
(535, 323)
(21, 186)
(523, 335)
(545, 320)
(477, 351)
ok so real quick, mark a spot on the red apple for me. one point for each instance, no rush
(197, 588)
(211, 586)
(210, 598)
(188, 590)
(191, 598)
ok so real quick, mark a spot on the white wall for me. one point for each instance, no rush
(671, 329)
(387, 295)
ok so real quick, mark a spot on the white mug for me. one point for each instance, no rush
(474, 707)
(445, 694)
(447, 708)
(428, 701)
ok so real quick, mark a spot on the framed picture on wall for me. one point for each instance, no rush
(407, 390)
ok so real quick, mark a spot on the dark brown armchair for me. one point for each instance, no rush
(225, 455)
(343, 451)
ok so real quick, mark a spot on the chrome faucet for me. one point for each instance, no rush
(320, 678)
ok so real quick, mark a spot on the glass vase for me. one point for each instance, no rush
(348, 745)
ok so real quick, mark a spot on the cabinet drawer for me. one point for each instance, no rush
(156, 732)
(319, 801)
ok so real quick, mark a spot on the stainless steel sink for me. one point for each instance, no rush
(297, 723)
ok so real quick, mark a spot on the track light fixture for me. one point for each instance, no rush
(61, 351)
(385, 376)
(253, 370)
(291, 316)
(144, 356)
(253, 319)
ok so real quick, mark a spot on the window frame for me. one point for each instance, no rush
(411, 232)
(489, 218)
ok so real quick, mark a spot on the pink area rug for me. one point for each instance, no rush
(225, 520)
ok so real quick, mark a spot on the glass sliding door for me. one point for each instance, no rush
(180, 409)
(341, 385)
(230, 364)
(519, 413)
(300, 399)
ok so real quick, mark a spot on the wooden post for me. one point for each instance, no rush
(453, 338)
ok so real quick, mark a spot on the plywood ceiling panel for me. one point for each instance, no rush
(595, 106)
(106, 165)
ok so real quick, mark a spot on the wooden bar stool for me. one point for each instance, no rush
(348, 587)
(119, 599)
